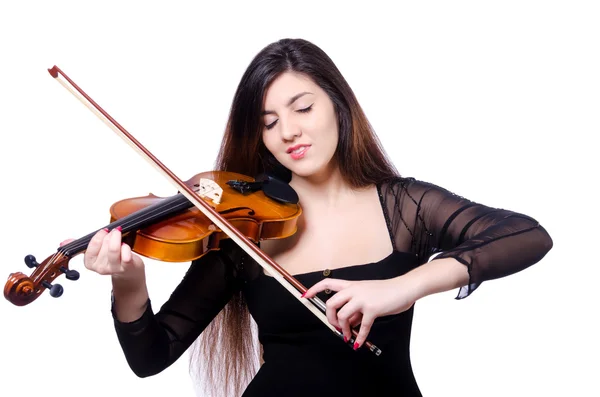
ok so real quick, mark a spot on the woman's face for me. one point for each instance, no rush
(300, 125)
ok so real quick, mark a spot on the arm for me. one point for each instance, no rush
(474, 243)
(489, 243)
(153, 342)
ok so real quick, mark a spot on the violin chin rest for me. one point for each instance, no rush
(277, 190)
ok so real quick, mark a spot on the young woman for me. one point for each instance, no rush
(295, 117)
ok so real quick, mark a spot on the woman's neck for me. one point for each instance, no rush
(326, 189)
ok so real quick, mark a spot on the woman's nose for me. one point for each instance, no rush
(289, 130)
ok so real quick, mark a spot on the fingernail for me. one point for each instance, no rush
(339, 329)
(355, 345)
(346, 340)
(119, 228)
(302, 296)
(106, 229)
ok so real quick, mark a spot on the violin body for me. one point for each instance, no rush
(189, 235)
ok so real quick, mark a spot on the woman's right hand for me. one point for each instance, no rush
(106, 254)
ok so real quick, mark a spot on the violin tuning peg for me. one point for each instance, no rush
(70, 274)
(56, 290)
(31, 262)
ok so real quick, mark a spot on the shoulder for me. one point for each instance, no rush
(397, 184)
(402, 191)
(394, 182)
(401, 185)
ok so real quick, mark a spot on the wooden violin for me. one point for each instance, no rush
(172, 229)
(224, 204)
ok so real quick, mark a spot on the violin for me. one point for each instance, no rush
(207, 208)
(172, 229)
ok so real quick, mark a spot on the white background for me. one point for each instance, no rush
(497, 101)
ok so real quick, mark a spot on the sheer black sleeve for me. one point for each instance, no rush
(155, 341)
(426, 219)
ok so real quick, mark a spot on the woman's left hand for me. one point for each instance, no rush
(363, 301)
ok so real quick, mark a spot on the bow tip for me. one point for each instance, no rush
(53, 71)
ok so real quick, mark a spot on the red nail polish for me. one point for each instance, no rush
(119, 228)
(355, 345)
(302, 296)
(346, 340)
(106, 229)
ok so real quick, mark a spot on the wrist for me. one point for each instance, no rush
(408, 287)
(438, 275)
(131, 277)
(127, 286)
(412, 284)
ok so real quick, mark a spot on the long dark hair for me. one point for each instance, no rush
(230, 350)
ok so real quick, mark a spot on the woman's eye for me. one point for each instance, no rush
(269, 126)
(305, 110)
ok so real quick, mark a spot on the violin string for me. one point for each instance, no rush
(175, 203)
(127, 223)
(53, 258)
(179, 203)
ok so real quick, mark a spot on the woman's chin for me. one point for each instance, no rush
(303, 170)
(307, 171)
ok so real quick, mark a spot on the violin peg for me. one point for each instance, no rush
(31, 262)
(70, 274)
(56, 290)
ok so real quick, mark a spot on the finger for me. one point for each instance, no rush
(344, 314)
(126, 255)
(130, 262)
(355, 319)
(102, 258)
(333, 305)
(333, 284)
(67, 241)
(365, 328)
(93, 249)
(114, 249)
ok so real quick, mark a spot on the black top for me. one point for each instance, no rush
(301, 356)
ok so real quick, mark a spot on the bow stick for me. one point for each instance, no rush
(315, 305)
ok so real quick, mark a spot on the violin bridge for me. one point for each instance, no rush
(210, 189)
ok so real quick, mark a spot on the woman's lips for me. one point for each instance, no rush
(299, 152)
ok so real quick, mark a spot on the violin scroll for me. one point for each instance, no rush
(21, 289)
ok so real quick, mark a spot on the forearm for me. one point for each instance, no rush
(436, 276)
(145, 343)
(152, 341)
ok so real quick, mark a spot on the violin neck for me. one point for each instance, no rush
(132, 222)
